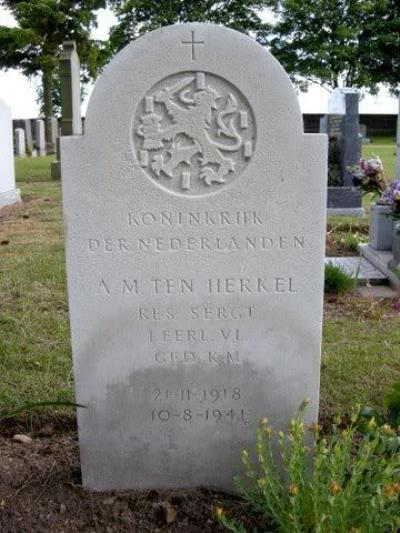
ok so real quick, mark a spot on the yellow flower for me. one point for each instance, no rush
(264, 421)
(387, 430)
(335, 488)
(293, 489)
(315, 428)
(245, 456)
(396, 487)
(337, 420)
(388, 490)
(219, 511)
(355, 413)
(268, 431)
(262, 483)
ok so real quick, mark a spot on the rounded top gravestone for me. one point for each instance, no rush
(194, 209)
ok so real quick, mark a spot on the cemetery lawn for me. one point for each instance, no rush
(361, 347)
(385, 148)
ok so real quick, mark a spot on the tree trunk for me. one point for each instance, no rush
(47, 82)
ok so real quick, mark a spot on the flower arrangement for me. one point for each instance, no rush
(391, 197)
(369, 176)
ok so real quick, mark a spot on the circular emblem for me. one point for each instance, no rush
(194, 133)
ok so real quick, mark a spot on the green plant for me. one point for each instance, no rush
(389, 414)
(344, 482)
(337, 281)
(30, 407)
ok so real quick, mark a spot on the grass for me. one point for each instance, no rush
(361, 347)
(385, 148)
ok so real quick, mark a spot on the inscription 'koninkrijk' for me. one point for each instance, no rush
(194, 132)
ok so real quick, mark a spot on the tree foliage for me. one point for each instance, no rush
(380, 42)
(336, 42)
(34, 45)
(139, 16)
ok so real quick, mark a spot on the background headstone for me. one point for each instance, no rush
(19, 140)
(28, 136)
(342, 126)
(52, 135)
(195, 255)
(364, 135)
(8, 192)
(71, 120)
(40, 137)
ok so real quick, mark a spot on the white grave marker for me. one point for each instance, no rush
(8, 193)
(195, 244)
(19, 137)
(40, 137)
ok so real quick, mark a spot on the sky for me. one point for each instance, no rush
(20, 93)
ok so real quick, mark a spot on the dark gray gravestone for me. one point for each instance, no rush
(71, 120)
(342, 126)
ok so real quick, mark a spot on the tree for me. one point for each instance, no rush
(136, 17)
(379, 47)
(33, 47)
(326, 41)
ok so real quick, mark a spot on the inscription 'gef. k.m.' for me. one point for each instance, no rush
(194, 132)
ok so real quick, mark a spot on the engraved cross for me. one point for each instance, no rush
(193, 42)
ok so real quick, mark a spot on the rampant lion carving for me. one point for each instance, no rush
(189, 119)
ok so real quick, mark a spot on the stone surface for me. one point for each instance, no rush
(55, 166)
(394, 264)
(8, 193)
(346, 211)
(377, 291)
(40, 137)
(358, 267)
(195, 236)
(381, 260)
(380, 227)
(19, 140)
(28, 136)
(22, 439)
(71, 121)
(51, 135)
(344, 197)
(342, 126)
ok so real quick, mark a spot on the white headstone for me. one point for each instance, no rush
(337, 100)
(8, 193)
(52, 135)
(19, 137)
(40, 138)
(195, 243)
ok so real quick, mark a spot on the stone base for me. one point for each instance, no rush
(346, 211)
(381, 260)
(10, 197)
(55, 168)
(345, 201)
